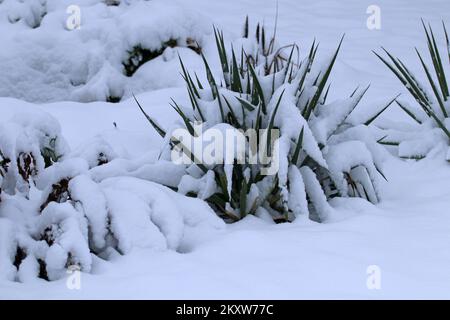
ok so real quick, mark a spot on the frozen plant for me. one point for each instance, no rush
(120, 47)
(28, 144)
(431, 120)
(262, 87)
(57, 213)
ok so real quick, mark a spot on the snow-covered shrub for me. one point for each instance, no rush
(320, 153)
(120, 47)
(28, 144)
(80, 217)
(75, 210)
(77, 217)
(431, 120)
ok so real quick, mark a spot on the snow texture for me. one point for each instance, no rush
(112, 206)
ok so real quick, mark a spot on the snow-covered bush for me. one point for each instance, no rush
(431, 120)
(28, 144)
(120, 47)
(80, 216)
(58, 210)
(263, 87)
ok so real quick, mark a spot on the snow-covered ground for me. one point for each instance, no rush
(406, 235)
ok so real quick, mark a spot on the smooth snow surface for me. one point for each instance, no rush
(407, 234)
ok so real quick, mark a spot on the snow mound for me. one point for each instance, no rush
(117, 47)
(7, 250)
(29, 142)
(59, 209)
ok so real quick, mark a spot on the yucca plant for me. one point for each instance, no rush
(318, 151)
(432, 118)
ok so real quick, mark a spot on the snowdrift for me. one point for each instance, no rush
(119, 47)
(58, 210)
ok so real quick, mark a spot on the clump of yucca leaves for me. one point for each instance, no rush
(435, 106)
(254, 87)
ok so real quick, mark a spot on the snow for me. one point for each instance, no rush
(69, 168)
(7, 249)
(89, 195)
(312, 261)
(68, 239)
(204, 186)
(344, 157)
(161, 244)
(297, 197)
(291, 122)
(315, 193)
(85, 64)
(331, 116)
(33, 137)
